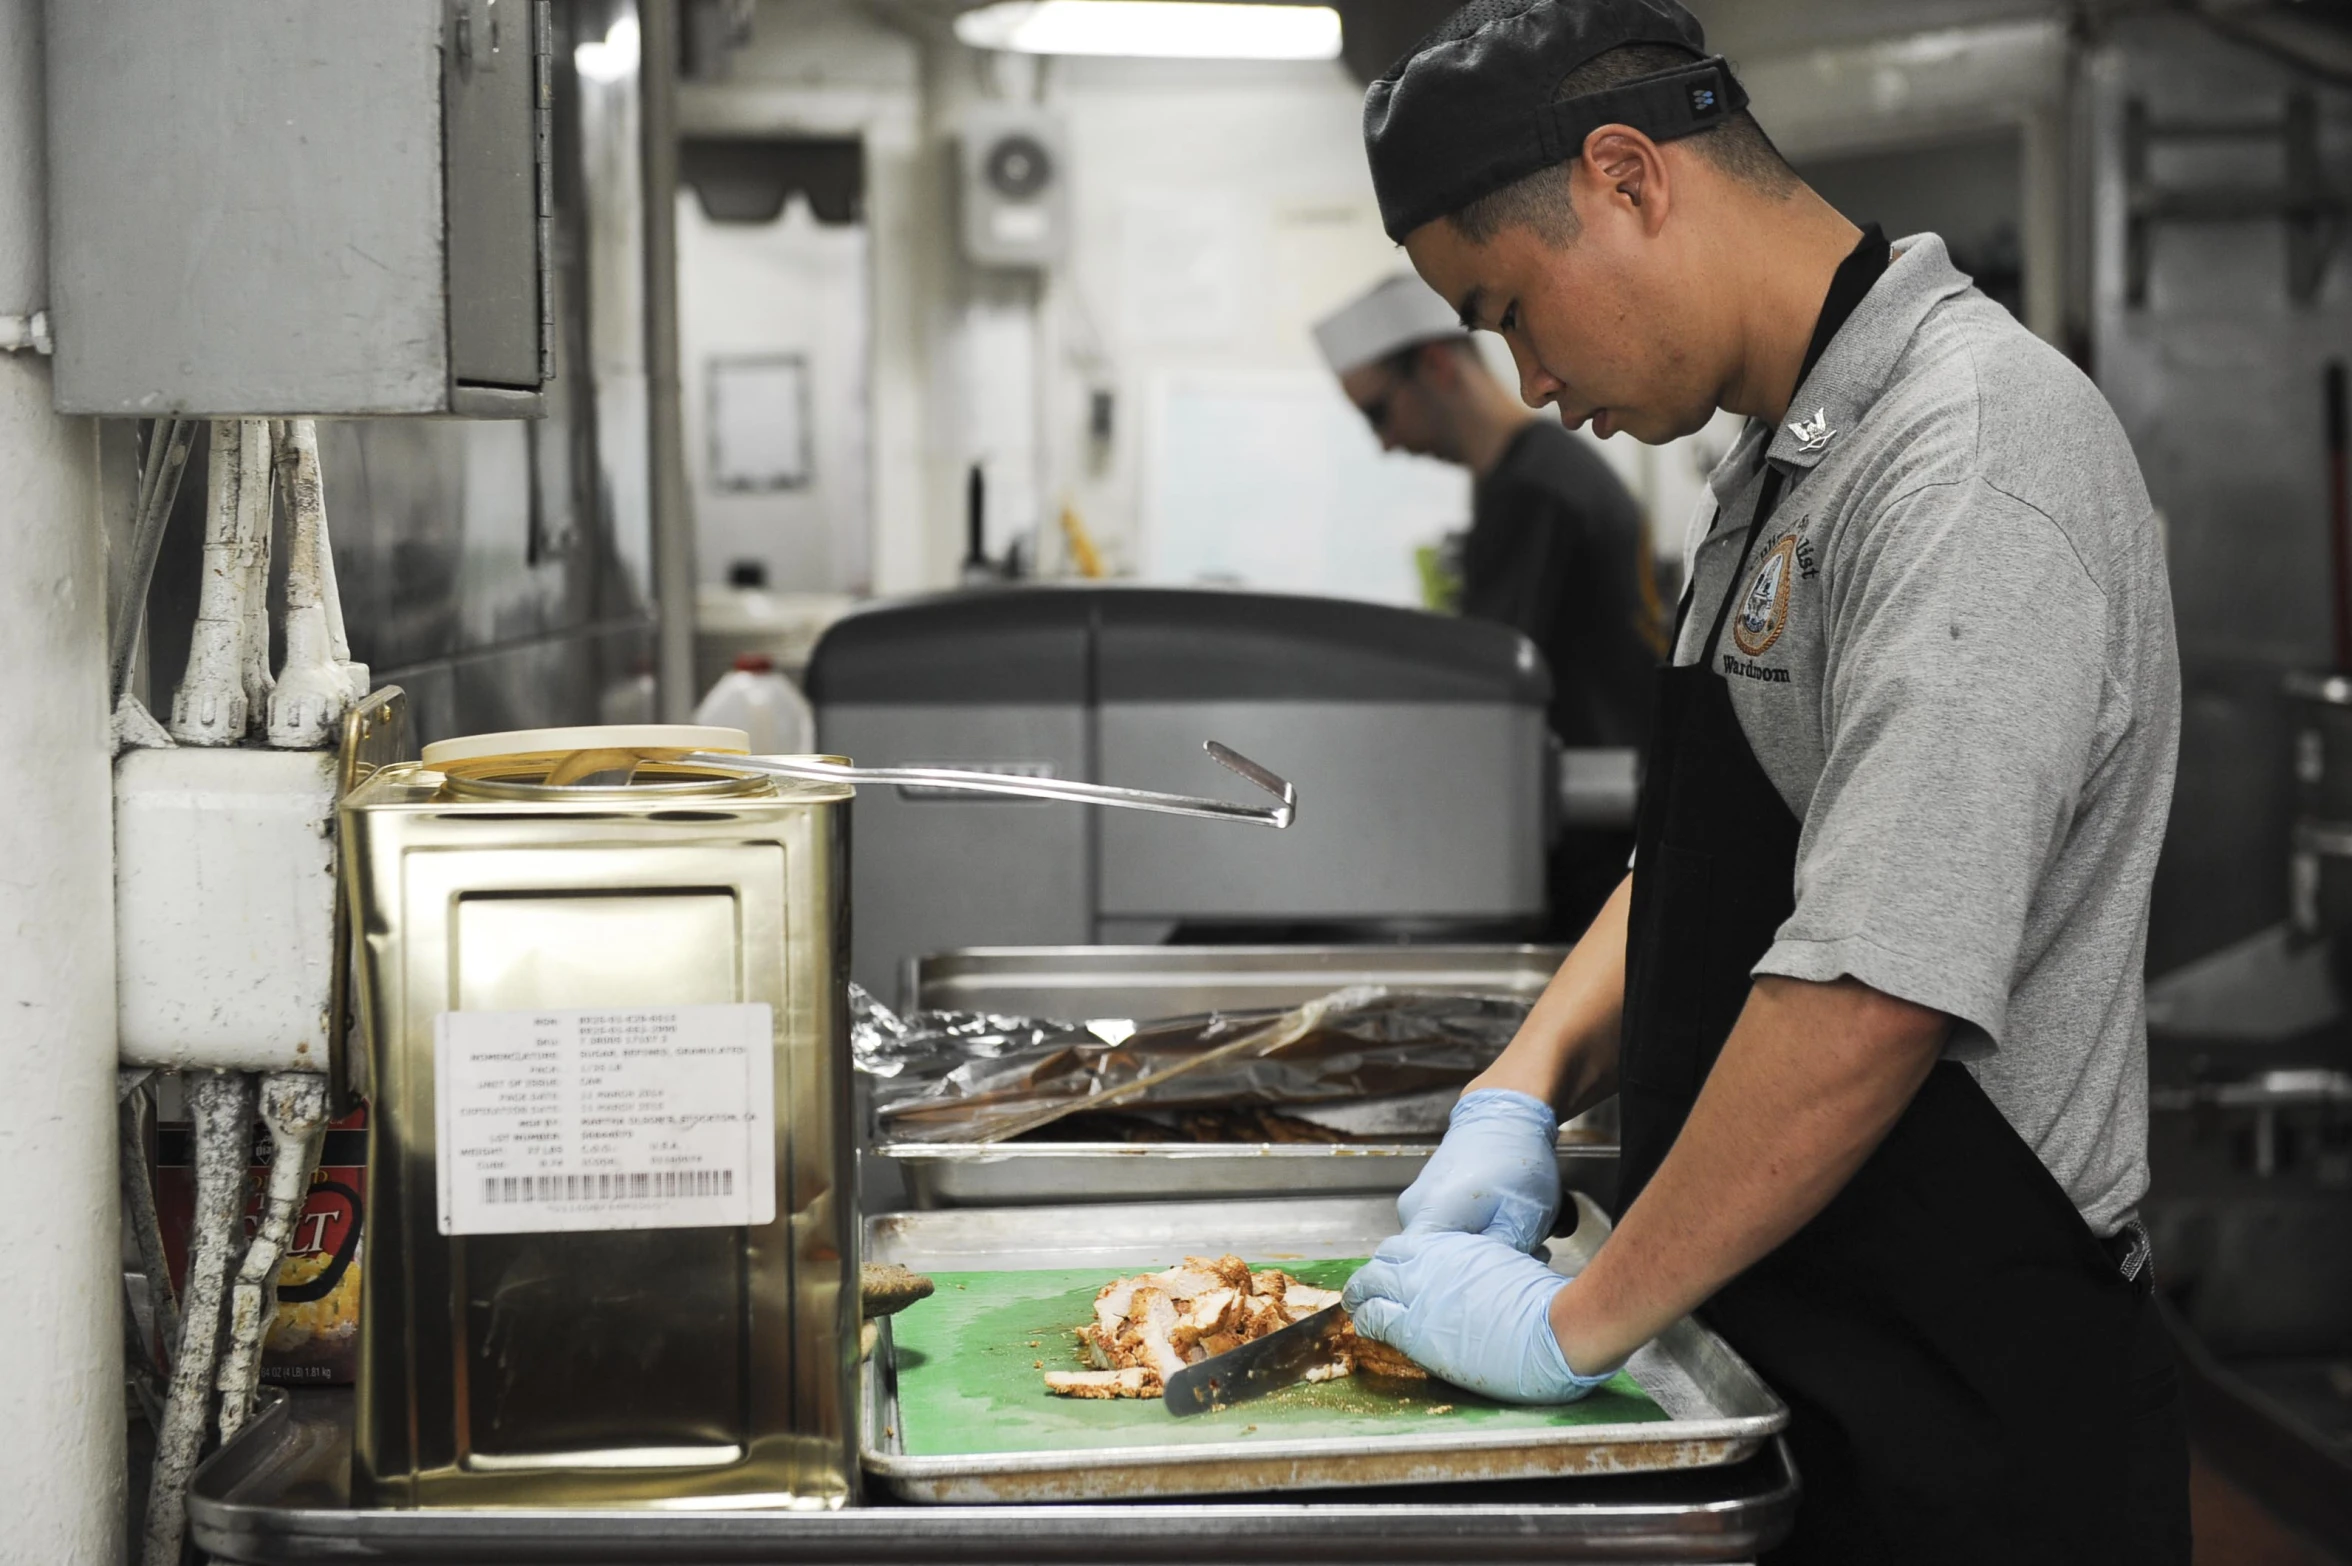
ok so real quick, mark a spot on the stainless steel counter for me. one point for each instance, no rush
(279, 1495)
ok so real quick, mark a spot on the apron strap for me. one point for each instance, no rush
(1847, 289)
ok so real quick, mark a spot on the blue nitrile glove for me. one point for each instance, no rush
(1470, 1310)
(1494, 1174)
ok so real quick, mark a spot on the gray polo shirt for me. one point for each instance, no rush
(1953, 655)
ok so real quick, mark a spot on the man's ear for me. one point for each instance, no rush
(1621, 165)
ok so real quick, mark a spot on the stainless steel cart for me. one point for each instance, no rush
(279, 1495)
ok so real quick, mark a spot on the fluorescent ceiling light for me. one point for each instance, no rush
(612, 59)
(1174, 29)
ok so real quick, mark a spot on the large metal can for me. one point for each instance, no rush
(612, 1257)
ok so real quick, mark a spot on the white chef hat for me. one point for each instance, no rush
(1396, 314)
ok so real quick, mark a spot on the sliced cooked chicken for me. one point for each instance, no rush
(1378, 1359)
(1111, 1305)
(1155, 1321)
(1132, 1382)
(1187, 1282)
(1260, 1316)
(1230, 1270)
(1216, 1311)
(1147, 1328)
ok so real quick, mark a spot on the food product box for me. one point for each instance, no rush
(315, 1339)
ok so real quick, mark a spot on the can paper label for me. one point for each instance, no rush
(647, 1118)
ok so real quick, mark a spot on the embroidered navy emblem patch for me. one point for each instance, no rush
(1763, 613)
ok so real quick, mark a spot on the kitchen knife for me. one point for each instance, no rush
(1254, 1369)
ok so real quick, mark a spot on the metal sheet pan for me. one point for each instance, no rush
(1089, 982)
(1082, 983)
(1018, 1174)
(279, 1495)
(1719, 1411)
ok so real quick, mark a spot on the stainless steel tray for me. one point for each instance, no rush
(1082, 983)
(279, 1495)
(1021, 1174)
(1090, 982)
(1719, 1410)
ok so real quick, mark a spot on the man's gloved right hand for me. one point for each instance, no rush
(1494, 1174)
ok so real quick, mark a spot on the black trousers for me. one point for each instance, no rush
(2160, 1447)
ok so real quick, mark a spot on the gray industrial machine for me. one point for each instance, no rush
(1417, 743)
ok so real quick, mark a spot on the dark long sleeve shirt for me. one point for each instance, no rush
(1556, 551)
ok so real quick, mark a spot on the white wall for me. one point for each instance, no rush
(61, 1448)
(1217, 208)
(792, 287)
(829, 68)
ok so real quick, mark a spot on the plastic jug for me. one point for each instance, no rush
(769, 708)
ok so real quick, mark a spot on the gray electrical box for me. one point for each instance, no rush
(333, 207)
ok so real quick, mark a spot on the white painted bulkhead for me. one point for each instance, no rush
(61, 1384)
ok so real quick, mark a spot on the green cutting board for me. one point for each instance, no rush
(970, 1382)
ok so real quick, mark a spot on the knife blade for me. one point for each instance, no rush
(1255, 1369)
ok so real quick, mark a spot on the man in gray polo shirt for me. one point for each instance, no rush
(1871, 998)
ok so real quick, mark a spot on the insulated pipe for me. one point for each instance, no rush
(138, 1187)
(61, 1366)
(311, 691)
(253, 562)
(143, 1363)
(355, 675)
(294, 1107)
(221, 1104)
(159, 488)
(209, 706)
(673, 519)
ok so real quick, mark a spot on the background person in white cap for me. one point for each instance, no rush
(1556, 548)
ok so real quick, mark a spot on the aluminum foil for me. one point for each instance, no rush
(1361, 1061)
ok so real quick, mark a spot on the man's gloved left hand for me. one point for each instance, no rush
(1470, 1309)
(1495, 1173)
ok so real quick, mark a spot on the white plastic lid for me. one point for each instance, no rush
(618, 736)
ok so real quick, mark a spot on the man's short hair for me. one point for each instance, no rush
(1539, 201)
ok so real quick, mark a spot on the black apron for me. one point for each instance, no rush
(1970, 1377)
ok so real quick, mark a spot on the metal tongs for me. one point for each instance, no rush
(816, 769)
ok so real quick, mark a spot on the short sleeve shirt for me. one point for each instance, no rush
(1952, 652)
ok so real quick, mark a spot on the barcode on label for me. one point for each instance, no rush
(606, 1185)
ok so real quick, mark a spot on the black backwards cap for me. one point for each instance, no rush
(1472, 108)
